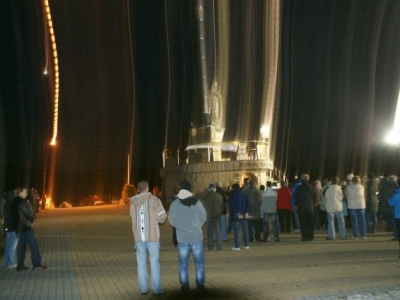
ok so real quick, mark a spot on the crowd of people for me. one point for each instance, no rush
(19, 208)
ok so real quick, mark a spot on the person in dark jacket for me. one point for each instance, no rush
(22, 216)
(213, 204)
(371, 202)
(305, 207)
(254, 222)
(239, 207)
(220, 190)
(11, 234)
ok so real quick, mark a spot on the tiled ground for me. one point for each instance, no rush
(90, 252)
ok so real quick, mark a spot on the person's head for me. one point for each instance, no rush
(370, 175)
(212, 187)
(349, 177)
(262, 187)
(246, 181)
(283, 183)
(252, 183)
(219, 184)
(335, 180)
(185, 185)
(21, 192)
(143, 187)
(269, 184)
(325, 181)
(305, 177)
(235, 187)
(356, 180)
(317, 184)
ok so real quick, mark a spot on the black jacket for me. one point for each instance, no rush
(303, 198)
(22, 215)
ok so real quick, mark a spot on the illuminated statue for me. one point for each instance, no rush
(214, 100)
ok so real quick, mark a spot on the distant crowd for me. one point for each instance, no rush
(253, 211)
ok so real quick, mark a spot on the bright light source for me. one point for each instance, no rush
(264, 130)
(393, 137)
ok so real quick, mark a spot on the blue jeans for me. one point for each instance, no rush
(274, 219)
(224, 232)
(245, 232)
(11, 245)
(198, 258)
(296, 218)
(24, 238)
(372, 220)
(358, 217)
(154, 256)
(331, 224)
(214, 229)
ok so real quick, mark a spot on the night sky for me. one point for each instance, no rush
(137, 89)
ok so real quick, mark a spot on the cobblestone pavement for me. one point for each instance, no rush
(90, 254)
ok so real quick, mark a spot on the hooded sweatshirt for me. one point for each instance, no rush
(146, 212)
(188, 216)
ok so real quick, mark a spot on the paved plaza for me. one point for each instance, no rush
(90, 254)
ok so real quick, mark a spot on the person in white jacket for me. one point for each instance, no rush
(334, 209)
(356, 205)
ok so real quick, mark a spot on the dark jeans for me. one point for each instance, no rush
(306, 225)
(284, 217)
(28, 237)
(397, 222)
(214, 225)
(256, 224)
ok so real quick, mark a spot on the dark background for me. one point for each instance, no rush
(136, 89)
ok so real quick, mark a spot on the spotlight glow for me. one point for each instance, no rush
(393, 137)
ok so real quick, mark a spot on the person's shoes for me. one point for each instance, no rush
(355, 237)
(225, 240)
(143, 294)
(297, 230)
(310, 240)
(40, 268)
(12, 266)
(185, 289)
(200, 289)
(329, 239)
(246, 248)
(22, 269)
(235, 249)
(277, 239)
(304, 240)
(162, 292)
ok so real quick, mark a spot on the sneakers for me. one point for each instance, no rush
(355, 237)
(41, 267)
(277, 239)
(235, 249)
(12, 266)
(246, 248)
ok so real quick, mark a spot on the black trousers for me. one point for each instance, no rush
(256, 224)
(306, 225)
(284, 217)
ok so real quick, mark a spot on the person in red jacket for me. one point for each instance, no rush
(284, 207)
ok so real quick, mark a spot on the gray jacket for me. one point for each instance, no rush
(188, 216)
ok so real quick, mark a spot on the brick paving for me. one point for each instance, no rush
(90, 254)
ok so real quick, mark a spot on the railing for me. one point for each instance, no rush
(224, 151)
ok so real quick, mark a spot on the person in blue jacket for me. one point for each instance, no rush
(395, 201)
